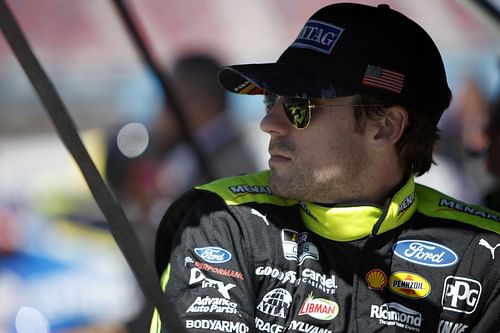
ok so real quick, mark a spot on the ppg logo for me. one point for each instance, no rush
(460, 294)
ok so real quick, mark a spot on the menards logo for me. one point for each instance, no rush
(319, 308)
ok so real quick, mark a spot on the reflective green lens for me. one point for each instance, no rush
(298, 112)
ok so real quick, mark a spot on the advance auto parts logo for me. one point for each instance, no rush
(425, 253)
(409, 285)
(319, 308)
(395, 314)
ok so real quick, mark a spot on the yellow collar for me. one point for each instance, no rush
(348, 223)
(340, 223)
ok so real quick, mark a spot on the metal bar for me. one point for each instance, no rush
(140, 40)
(121, 229)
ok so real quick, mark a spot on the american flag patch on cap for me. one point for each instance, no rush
(382, 78)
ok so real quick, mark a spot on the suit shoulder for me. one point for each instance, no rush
(435, 204)
(248, 188)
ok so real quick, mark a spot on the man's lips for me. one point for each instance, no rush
(278, 156)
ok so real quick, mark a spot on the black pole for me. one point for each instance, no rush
(120, 227)
(140, 41)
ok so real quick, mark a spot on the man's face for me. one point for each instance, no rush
(325, 162)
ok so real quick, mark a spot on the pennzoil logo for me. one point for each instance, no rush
(319, 308)
(409, 285)
(376, 279)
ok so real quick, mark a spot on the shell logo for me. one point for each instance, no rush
(409, 285)
(376, 279)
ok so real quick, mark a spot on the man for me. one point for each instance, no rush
(337, 237)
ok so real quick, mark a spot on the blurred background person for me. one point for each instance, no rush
(492, 198)
(146, 184)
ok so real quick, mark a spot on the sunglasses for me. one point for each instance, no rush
(298, 110)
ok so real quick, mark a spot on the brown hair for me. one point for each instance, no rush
(416, 145)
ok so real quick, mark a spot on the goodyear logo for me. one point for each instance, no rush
(409, 285)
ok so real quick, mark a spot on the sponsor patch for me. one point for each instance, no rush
(461, 294)
(319, 308)
(265, 326)
(409, 285)
(407, 202)
(323, 282)
(197, 277)
(217, 325)
(395, 314)
(275, 273)
(376, 279)
(213, 254)
(425, 253)
(209, 304)
(484, 242)
(243, 189)
(276, 303)
(219, 271)
(296, 246)
(300, 326)
(468, 209)
(446, 326)
(318, 36)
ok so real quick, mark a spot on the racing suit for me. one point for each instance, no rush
(243, 260)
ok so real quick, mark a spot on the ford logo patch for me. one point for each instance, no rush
(425, 253)
(213, 254)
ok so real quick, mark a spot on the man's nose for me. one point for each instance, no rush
(275, 121)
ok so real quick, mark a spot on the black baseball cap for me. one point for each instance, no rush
(349, 48)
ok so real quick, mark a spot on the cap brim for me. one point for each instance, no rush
(276, 78)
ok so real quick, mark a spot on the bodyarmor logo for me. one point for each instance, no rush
(451, 327)
(319, 36)
(297, 247)
(276, 303)
(461, 294)
(425, 253)
(396, 314)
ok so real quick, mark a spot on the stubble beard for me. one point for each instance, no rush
(329, 185)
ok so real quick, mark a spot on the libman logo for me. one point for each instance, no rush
(409, 285)
(319, 308)
(395, 314)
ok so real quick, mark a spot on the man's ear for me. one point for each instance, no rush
(391, 126)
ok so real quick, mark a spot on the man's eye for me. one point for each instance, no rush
(269, 101)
